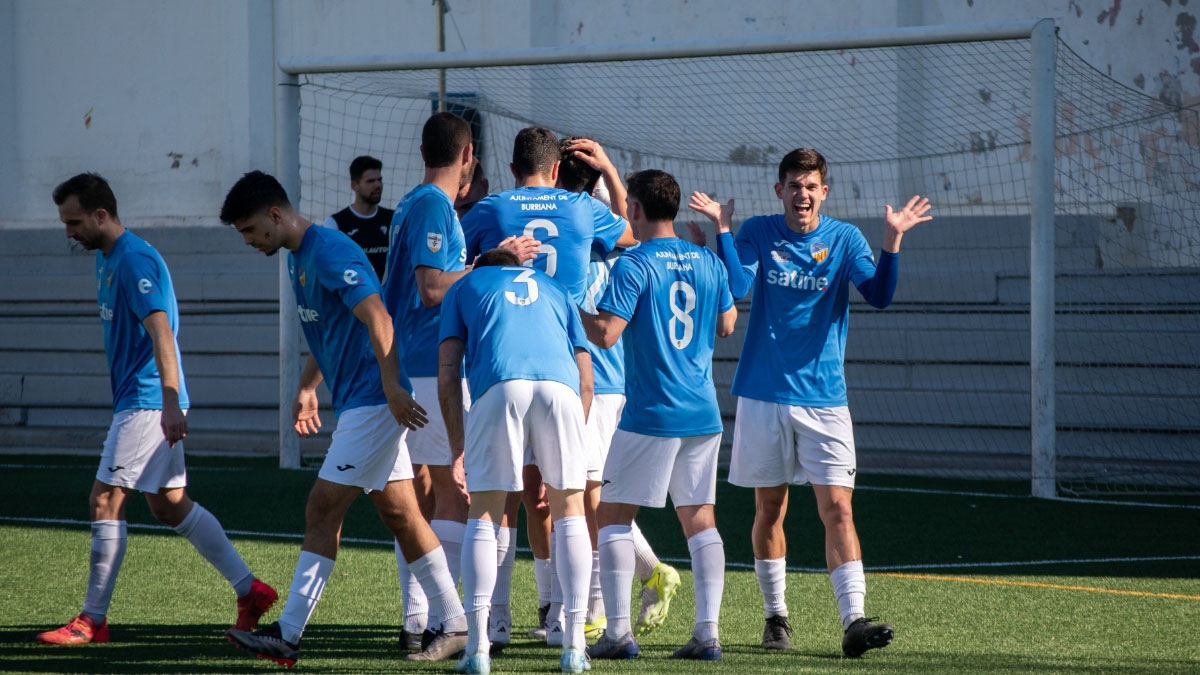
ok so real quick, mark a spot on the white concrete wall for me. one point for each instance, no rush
(179, 92)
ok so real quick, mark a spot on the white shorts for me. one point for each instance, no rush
(643, 469)
(367, 450)
(774, 444)
(136, 454)
(601, 423)
(429, 444)
(545, 416)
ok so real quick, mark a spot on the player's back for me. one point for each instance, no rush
(517, 323)
(670, 291)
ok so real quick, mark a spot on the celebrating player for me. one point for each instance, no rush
(792, 418)
(144, 447)
(531, 373)
(672, 298)
(350, 336)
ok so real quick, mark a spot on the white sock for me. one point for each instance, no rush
(108, 550)
(434, 574)
(772, 582)
(312, 572)
(478, 580)
(554, 618)
(416, 607)
(595, 595)
(850, 588)
(451, 533)
(202, 529)
(645, 560)
(541, 574)
(575, 572)
(708, 581)
(616, 576)
(506, 554)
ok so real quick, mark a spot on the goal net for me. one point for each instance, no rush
(939, 382)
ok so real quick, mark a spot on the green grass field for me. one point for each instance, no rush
(990, 582)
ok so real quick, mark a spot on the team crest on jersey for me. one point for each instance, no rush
(302, 278)
(781, 255)
(434, 241)
(818, 250)
(108, 282)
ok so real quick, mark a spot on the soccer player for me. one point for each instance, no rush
(365, 221)
(144, 447)
(793, 424)
(659, 580)
(529, 367)
(350, 337)
(672, 300)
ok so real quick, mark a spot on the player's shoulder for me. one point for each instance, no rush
(836, 229)
(758, 225)
(138, 253)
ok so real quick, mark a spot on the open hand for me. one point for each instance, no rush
(524, 247)
(721, 215)
(305, 419)
(913, 212)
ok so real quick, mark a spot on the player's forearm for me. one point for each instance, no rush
(166, 360)
(450, 394)
(432, 284)
(616, 190)
(599, 332)
(583, 361)
(741, 279)
(726, 321)
(891, 239)
(311, 377)
(879, 289)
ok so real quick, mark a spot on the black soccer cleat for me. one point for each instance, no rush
(777, 633)
(410, 641)
(863, 635)
(267, 643)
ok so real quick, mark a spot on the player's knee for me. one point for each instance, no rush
(837, 514)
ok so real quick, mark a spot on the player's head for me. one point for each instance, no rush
(653, 197)
(574, 175)
(366, 179)
(256, 207)
(535, 153)
(446, 142)
(473, 191)
(802, 187)
(87, 206)
(498, 257)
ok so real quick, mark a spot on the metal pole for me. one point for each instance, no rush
(440, 7)
(287, 171)
(1041, 262)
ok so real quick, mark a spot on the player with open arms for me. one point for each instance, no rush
(350, 337)
(671, 298)
(792, 416)
(144, 447)
(426, 254)
(528, 364)
(567, 226)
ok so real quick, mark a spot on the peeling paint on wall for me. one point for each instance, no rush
(1186, 23)
(1110, 14)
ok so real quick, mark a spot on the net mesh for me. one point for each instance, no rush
(939, 382)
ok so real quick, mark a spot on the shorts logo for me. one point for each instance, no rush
(351, 277)
(434, 241)
(605, 482)
(353, 232)
(383, 229)
(114, 469)
(145, 286)
(343, 467)
(851, 471)
(819, 250)
(781, 256)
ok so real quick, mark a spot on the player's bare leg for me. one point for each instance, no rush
(416, 606)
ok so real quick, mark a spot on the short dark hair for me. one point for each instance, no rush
(92, 191)
(253, 193)
(802, 160)
(657, 192)
(443, 138)
(535, 150)
(574, 174)
(498, 257)
(363, 164)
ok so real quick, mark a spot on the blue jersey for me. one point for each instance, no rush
(796, 341)
(131, 282)
(670, 291)
(567, 224)
(517, 324)
(425, 233)
(330, 276)
(608, 365)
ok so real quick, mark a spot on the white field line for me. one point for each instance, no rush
(684, 561)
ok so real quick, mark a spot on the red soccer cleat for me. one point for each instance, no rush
(81, 630)
(254, 604)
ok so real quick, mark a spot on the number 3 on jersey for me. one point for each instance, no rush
(682, 315)
(531, 292)
(551, 229)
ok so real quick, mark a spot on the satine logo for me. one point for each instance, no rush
(307, 315)
(106, 313)
(351, 277)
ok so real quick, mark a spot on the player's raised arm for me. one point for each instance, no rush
(404, 407)
(741, 275)
(899, 222)
(879, 289)
(174, 422)
(592, 153)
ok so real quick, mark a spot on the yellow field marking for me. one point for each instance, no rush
(1033, 584)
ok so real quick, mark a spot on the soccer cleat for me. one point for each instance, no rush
(596, 628)
(82, 630)
(776, 633)
(624, 647)
(474, 664)
(254, 604)
(266, 643)
(444, 646)
(700, 651)
(554, 633)
(540, 631)
(427, 637)
(574, 661)
(862, 635)
(499, 628)
(410, 642)
(656, 598)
